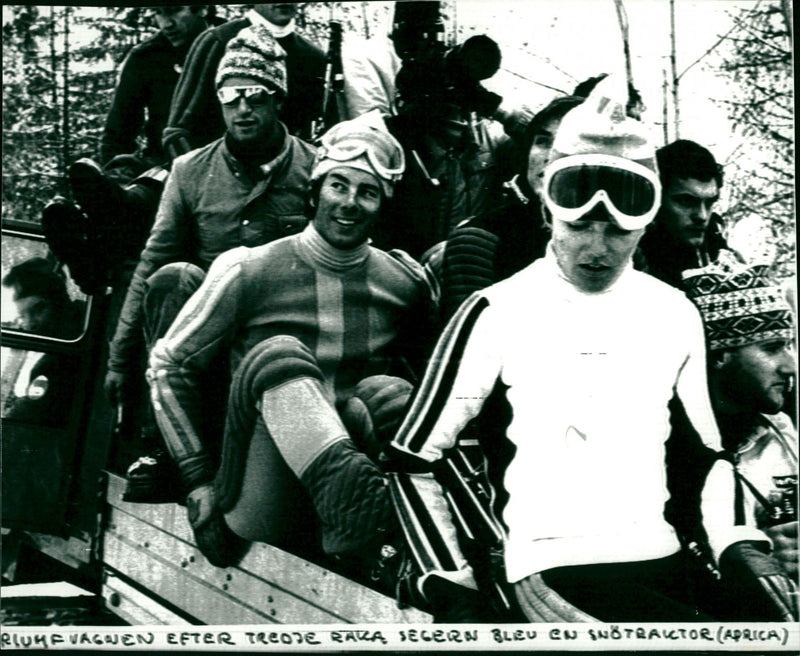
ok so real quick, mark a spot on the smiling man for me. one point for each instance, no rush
(244, 189)
(314, 323)
(686, 232)
(587, 353)
(194, 117)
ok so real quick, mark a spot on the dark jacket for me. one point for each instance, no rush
(195, 118)
(666, 258)
(470, 180)
(490, 247)
(209, 206)
(142, 97)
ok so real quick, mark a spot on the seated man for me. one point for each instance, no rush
(569, 343)
(750, 340)
(686, 233)
(90, 239)
(194, 118)
(497, 243)
(311, 321)
(246, 188)
(144, 90)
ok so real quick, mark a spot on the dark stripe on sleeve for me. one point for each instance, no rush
(417, 509)
(448, 353)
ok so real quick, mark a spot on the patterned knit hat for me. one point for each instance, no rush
(362, 143)
(254, 53)
(600, 125)
(740, 305)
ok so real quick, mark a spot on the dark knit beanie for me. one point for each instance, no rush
(255, 54)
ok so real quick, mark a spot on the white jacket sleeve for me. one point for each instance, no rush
(462, 372)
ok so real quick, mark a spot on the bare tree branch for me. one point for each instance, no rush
(755, 35)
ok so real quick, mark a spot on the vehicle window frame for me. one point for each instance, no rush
(15, 338)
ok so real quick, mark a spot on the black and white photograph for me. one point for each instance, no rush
(401, 326)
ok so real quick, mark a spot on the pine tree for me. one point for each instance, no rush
(31, 128)
(59, 71)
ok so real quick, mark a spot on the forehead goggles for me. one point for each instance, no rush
(574, 185)
(253, 95)
(388, 162)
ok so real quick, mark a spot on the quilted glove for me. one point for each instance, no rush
(760, 580)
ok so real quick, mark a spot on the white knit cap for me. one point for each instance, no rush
(362, 143)
(600, 125)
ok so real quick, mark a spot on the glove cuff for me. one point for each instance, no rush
(196, 470)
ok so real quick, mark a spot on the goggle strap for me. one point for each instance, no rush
(342, 155)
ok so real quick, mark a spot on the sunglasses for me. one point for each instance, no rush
(348, 150)
(254, 95)
(574, 185)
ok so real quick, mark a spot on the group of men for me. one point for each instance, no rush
(259, 276)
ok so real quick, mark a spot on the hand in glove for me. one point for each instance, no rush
(784, 546)
(453, 603)
(766, 592)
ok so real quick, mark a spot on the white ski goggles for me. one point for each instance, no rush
(254, 95)
(388, 161)
(575, 184)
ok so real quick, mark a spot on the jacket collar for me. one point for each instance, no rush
(266, 169)
(568, 289)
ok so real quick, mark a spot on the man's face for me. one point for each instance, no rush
(349, 202)
(179, 24)
(250, 121)
(540, 153)
(593, 251)
(35, 314)
(756, 377)
(686, 209)
(279, 13)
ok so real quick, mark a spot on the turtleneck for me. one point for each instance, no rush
(318, 251)
(569, 289)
